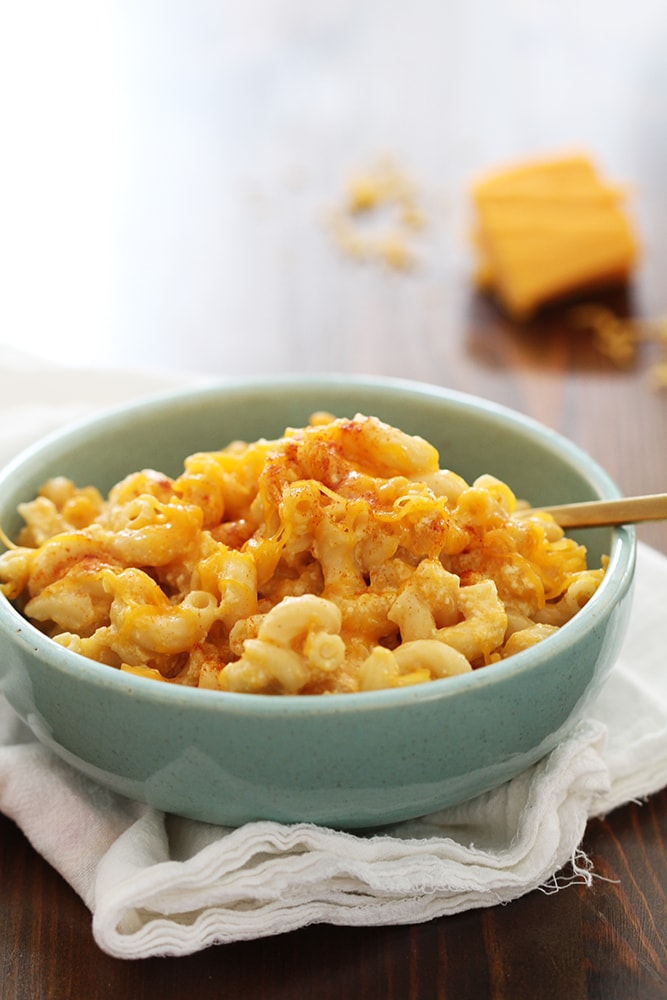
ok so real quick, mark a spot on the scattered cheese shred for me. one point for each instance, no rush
(379, 217)
(618, 338)
(548, 228)
(615, 337)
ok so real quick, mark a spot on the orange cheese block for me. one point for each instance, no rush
(547, 229)
(538, 176)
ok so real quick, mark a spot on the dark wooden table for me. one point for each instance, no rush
(175, 175)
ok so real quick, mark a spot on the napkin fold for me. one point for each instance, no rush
(162, 885)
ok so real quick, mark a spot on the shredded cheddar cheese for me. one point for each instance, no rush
(379, 217)
(618, 338)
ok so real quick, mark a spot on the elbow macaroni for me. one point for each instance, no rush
(337, 558)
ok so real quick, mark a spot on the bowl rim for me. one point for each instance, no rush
(616, 582)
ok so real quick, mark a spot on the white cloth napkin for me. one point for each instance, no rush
(161, 885)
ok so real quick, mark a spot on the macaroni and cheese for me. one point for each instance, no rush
(337, 558)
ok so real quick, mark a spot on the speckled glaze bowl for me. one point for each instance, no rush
(352, 760)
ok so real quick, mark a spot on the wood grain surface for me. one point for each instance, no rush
(187, 227)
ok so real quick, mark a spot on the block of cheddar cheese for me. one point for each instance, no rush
(547, 229)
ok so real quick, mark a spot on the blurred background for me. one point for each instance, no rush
(170, 168)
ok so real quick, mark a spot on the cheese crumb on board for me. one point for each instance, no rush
(548, 228)
(379, 217)
(618, 338)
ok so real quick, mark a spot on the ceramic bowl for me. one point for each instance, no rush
(347, 760)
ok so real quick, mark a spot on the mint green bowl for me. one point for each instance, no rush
(349, 761)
